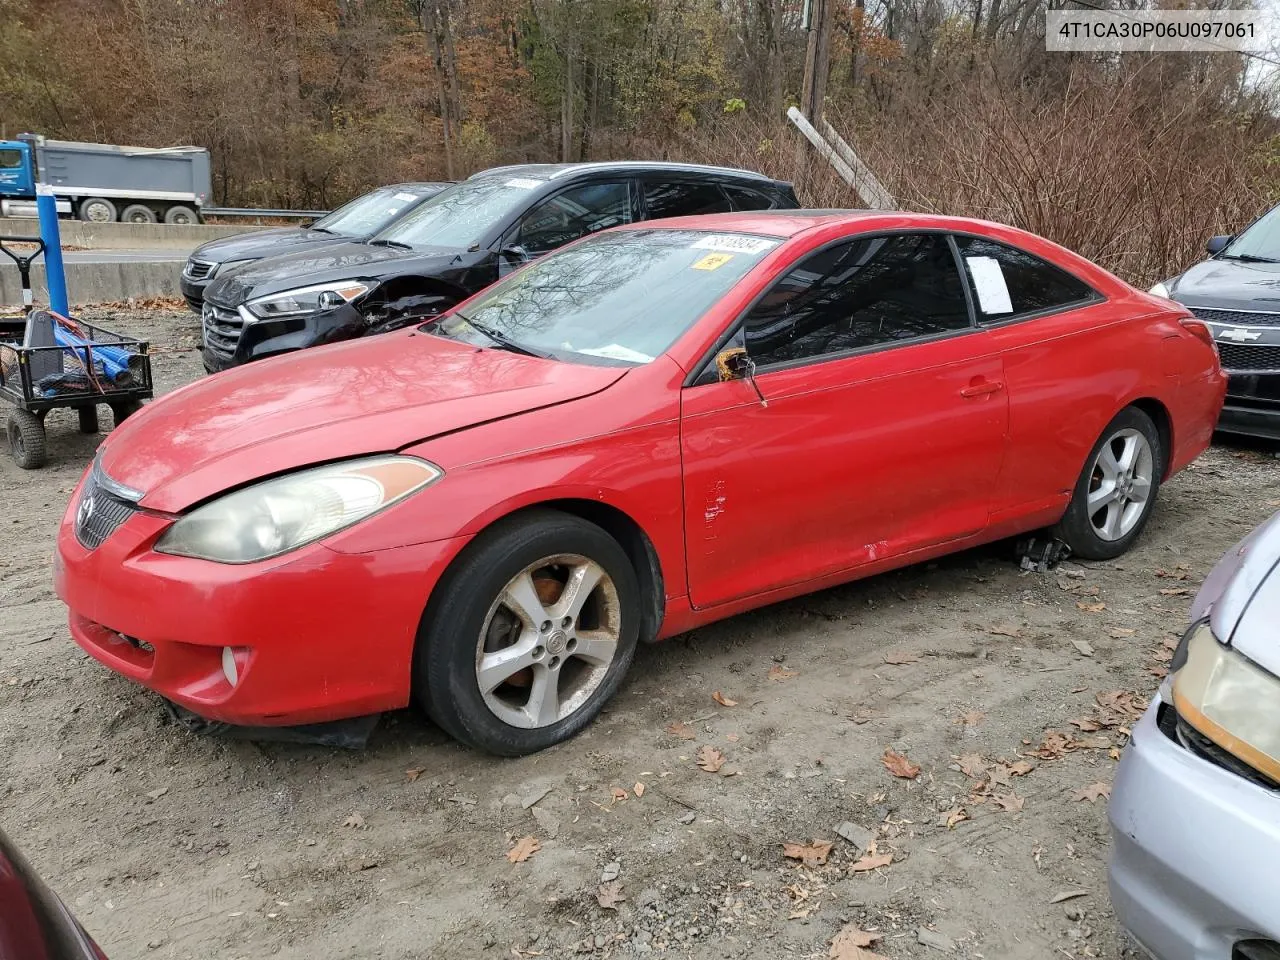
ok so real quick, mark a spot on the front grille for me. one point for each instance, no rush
(100, 510)
(222, 329)
(1238, 318)
(1238, 358)
(198, 269)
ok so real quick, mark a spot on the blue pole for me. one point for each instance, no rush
(55, 277)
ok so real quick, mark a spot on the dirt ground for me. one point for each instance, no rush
(172, 845)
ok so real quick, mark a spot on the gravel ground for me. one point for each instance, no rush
(1010, 691)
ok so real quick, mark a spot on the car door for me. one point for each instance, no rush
(874, 425)
(1065, 352)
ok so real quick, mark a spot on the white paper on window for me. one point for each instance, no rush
(988, 281)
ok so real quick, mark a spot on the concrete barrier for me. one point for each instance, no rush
(98, 282)
(128, 236)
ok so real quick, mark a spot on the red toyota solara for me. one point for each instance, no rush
(656, 427)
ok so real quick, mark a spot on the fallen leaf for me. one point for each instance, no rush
(1091, 591)
(413, 773)
(681, 730)
(1009, 802)
(1119, 633)
(955, 816)
(1021, 768)
(810, 854)
(1093, 792)
(898, 659)
(972, 718)
(1055, 745)
(1090, 606)
(525, 848)
(355, 821)
(973, 766)
(1087, 724)
(1084, 646)
(732, 737)
(1068, 895)
(1161, 655)
(710, 759)
(609, 895)
(899, 765)
(638, 789)
(619, 794)
(872, 861)
(1174, 591)
(724, 701)
(1158, 672)
(848, 944)
(779, 672)
(1005, 630)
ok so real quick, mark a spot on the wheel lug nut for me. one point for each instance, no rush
(567, 621)
(538, 652)
(546, 625)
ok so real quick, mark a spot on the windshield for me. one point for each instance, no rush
(368, 214)
(619, 298)
(461, 215)
(1260, 242)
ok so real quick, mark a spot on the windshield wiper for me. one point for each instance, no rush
(501, 339)
(1247, 258)
(390, 243)
(320, 229)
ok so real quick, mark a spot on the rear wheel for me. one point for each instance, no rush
(535, 627)
(138, 213)
(97, 210)
(180, 215)
(25, 433)
(1116, 492)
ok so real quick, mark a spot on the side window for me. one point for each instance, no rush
(573, 214)
(683, 199)
(10, 159)
(863, 293)
(744, 198)
(1008, 282)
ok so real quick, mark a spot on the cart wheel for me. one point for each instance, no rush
(88, 419)
(26, 439)
(122, 410)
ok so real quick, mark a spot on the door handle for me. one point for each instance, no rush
(983, 389)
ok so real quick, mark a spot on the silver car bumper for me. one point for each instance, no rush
(1195, 863)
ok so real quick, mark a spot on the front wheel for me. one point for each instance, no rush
(535, 627)
(1114, 496)
(97, 210)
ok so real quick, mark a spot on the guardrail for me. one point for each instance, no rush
(255, 212)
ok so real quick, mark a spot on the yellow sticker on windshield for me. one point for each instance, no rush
(713, 261)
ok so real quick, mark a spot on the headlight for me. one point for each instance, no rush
(1160, 290)
(1228, 698)
(295, 303)
(276, 516)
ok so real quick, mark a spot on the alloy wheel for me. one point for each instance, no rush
(1120, 484)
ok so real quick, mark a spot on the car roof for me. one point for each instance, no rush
(789, 223)
(436, 185)
(556, 171)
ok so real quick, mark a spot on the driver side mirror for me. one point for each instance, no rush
(516, 252)
(732, 363)
(1216, 244)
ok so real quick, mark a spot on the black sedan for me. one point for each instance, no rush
(1237, 293)
(452, 246)
(358, 220)
(34, 923)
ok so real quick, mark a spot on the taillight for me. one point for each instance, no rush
(1199, 330)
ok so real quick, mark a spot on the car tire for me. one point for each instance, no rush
(180, 215)
(25, 433)
(138, 213)
(97, 210)
(507, 592)
(1117, 489)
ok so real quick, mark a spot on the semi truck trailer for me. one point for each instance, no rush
(102, 182)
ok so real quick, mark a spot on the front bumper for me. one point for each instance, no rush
(319, 634)
(229, 339)
(192, 291)
(1253, 406)
(1194, 851)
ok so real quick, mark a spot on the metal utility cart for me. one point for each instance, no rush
(49, 361)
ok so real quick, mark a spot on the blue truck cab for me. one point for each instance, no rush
(17, 169)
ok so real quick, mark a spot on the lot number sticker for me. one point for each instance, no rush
(406, 197)
(734, 243)
(988, 281)
(524, 183)
(713, 261)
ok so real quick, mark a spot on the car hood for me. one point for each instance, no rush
(332, 262)
(327, 403)
(264, 243)
(1229, 285)
(1241, 596)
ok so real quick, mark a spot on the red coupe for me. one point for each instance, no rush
(654, 428)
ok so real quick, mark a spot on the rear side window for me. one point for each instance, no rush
(1008, 282)
(744, 198)
(683, 199)
(867, 292)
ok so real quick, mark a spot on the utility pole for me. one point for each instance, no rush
(817, 58)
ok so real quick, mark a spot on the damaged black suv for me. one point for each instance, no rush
(452, 246)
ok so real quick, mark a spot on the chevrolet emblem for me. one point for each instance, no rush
(1240, 335)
